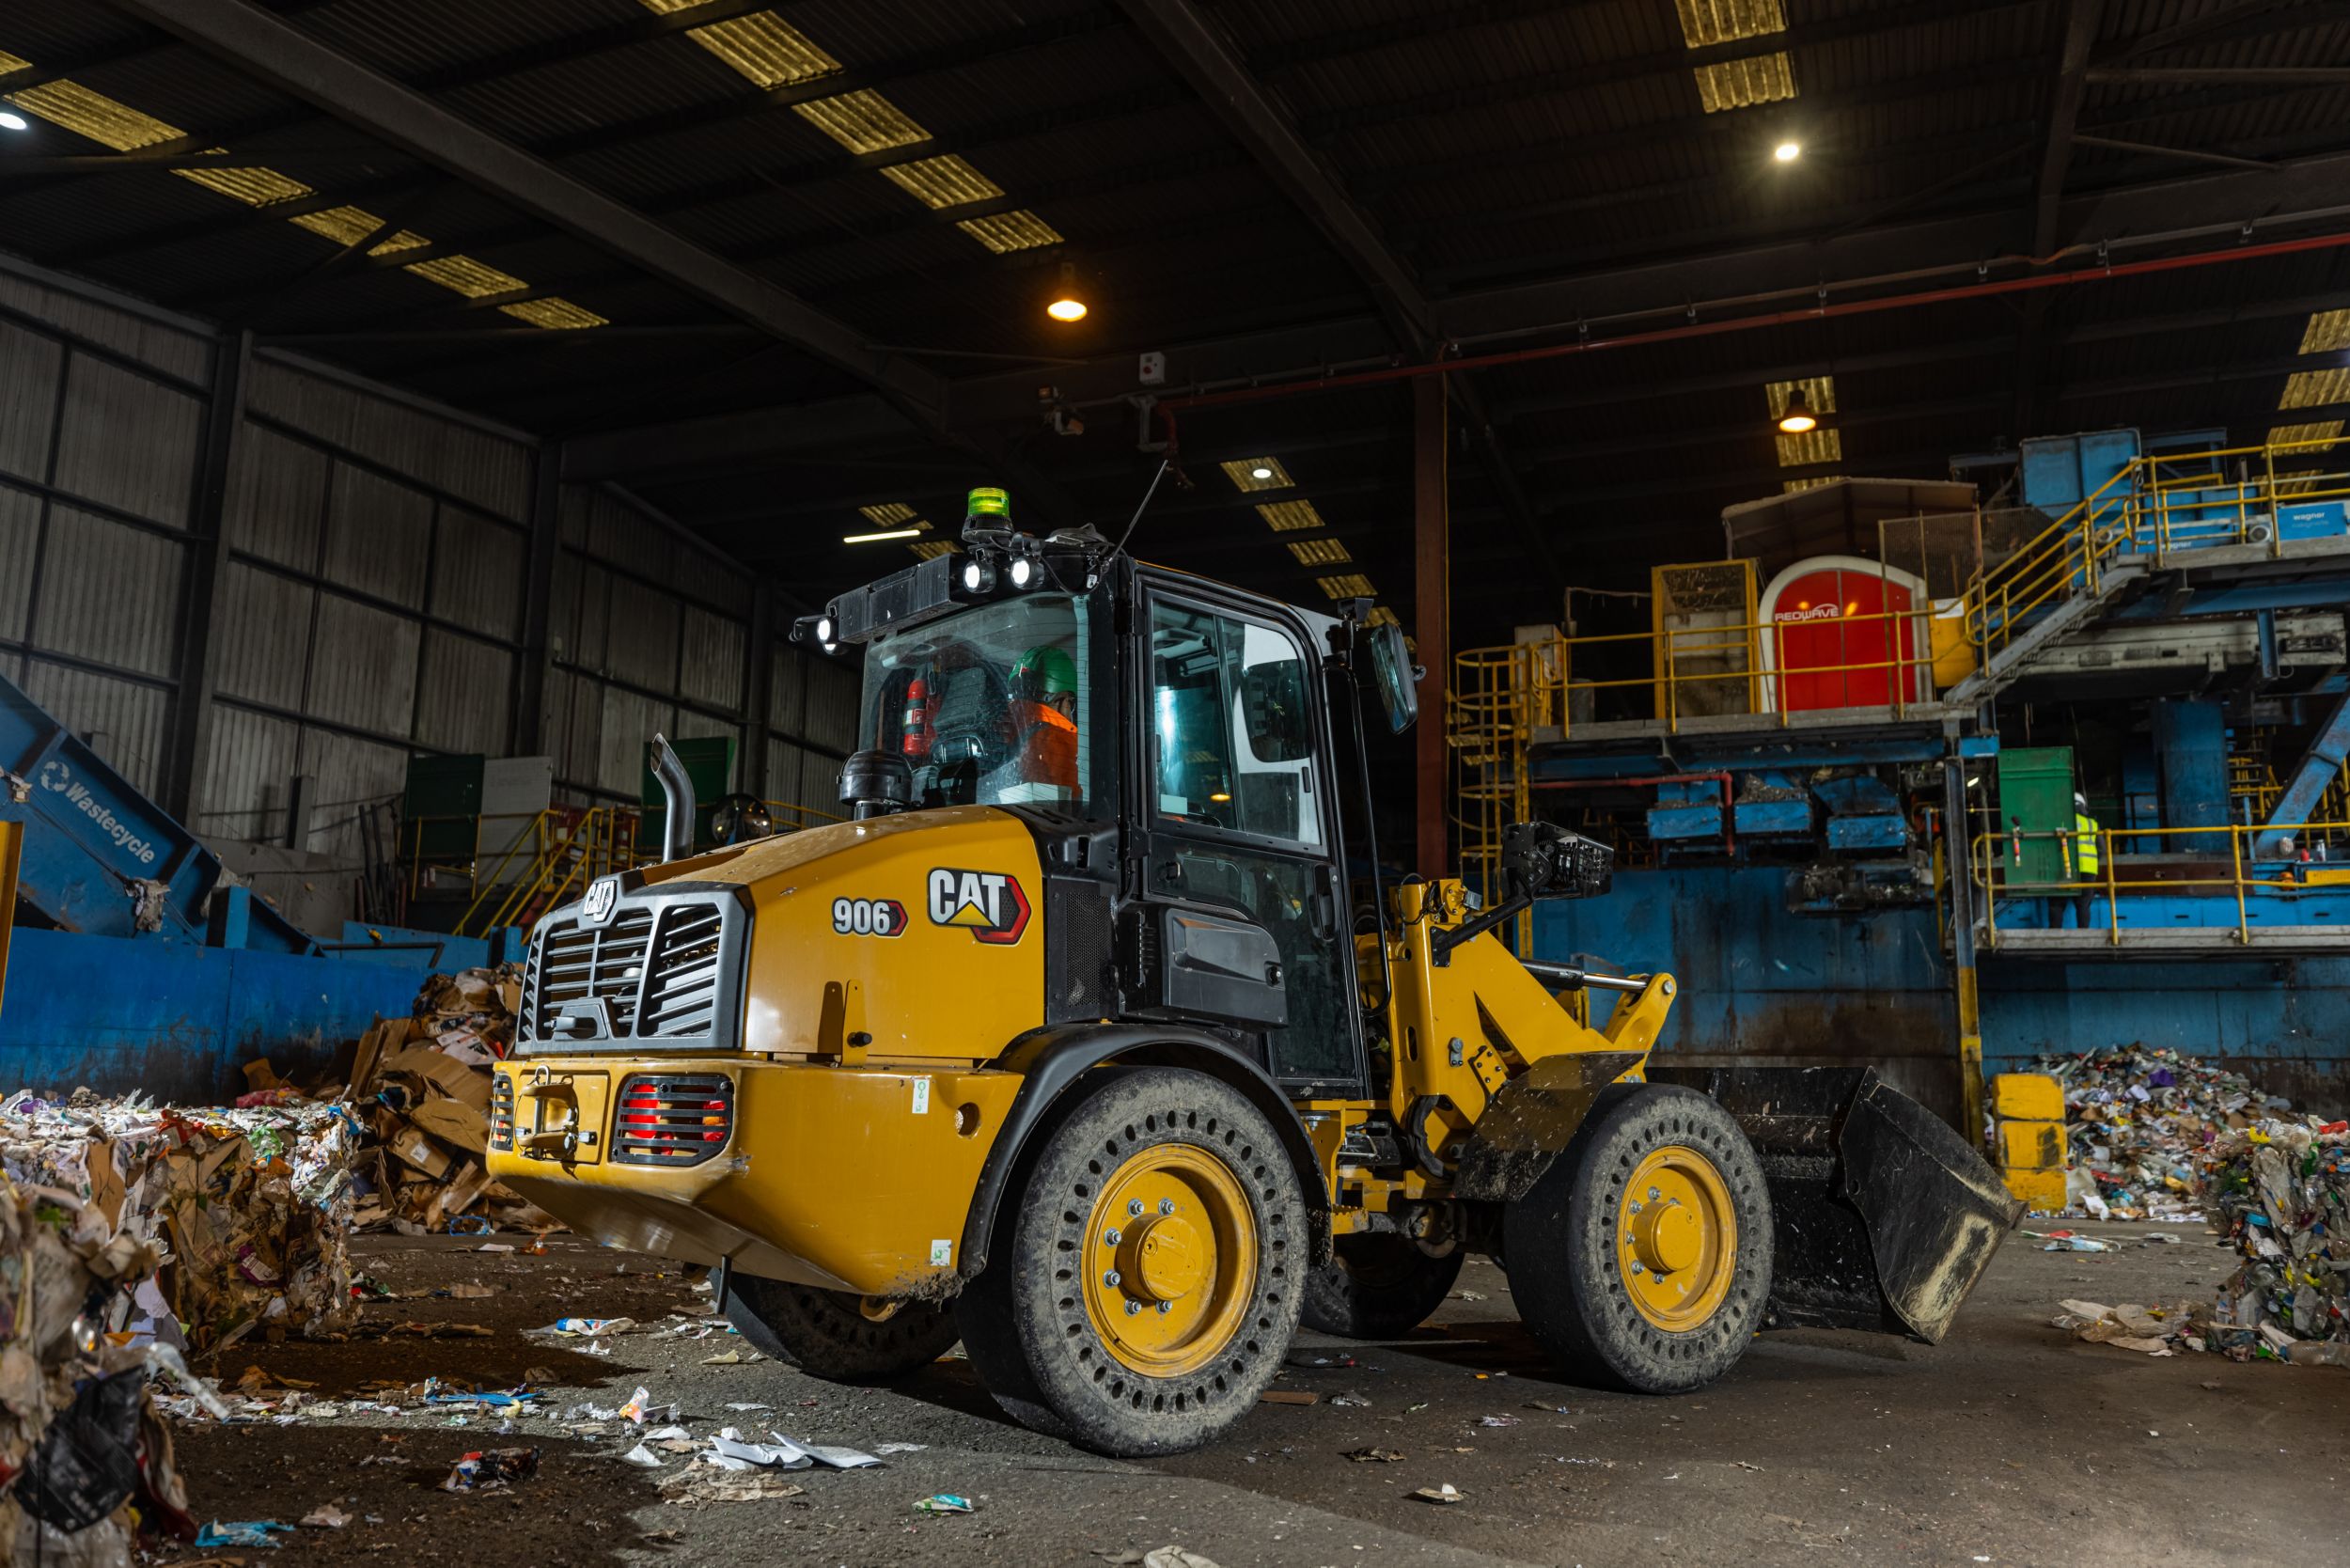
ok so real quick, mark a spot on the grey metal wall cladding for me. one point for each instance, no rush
(716, 651)
(832, 693)
(583, 741)
(704, 576)
(277, 497)
(109, 592)
(316, 407)
(20, 528)
(246, 775)
(574, 508)
(591, 606)
(783, 775)
(348, 774)
(128, 441)
(167, 349)
(484, 470)
(619, 535)
(641, 644)
(123, 721)
(261, 646)
(29, 368)
(363, 667)
(563, 593)
(629, 721)
(787, 689)
(477, 569)
(462, 692)
(555, 722)
(378, 533)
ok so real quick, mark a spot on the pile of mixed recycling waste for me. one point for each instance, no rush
(2164, 1136)
(2143, 1124)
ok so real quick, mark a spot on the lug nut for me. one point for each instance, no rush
(1166, 1205)
(1111, 1237)
(1110, 1279)
(1134, 1206)
(1163, 1308)
(1133, 1306)
(1653, 1195)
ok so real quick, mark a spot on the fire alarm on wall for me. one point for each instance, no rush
(1152, 371)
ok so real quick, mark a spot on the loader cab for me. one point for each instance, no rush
(1181, 749)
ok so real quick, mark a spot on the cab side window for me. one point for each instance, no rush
(1232, 735)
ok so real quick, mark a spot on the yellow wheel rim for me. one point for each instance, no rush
(1169, 1260)
(1676, 1238)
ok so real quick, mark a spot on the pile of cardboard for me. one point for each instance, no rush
(420, 1087)
(246, 1209)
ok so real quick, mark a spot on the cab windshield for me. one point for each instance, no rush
(995, 705)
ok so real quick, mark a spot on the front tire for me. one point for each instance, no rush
(1142, 1287)
(1642, 1258)
(835, 1336)
(1377, 1285)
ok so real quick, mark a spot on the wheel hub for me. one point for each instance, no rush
(1679, 1247)
(1164, 1259)
(1170, 1259)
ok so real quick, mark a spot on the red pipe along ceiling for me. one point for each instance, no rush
(1823, 310)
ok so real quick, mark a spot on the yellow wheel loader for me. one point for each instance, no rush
(1096, 1040)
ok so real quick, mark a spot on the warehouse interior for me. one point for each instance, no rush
(1792, 554)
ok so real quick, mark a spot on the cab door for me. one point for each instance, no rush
(1237, 810)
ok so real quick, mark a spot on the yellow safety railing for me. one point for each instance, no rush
(571, 846)
(2153, 506)
(1499, 696)
(2213, 862)
(791, 817)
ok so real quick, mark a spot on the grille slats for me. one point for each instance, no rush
(501, 1111)
(660, 967)
(672, 1118)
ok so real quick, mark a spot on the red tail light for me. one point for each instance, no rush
(672, 1118)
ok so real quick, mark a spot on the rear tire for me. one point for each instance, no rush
(1377, 1285)
(830, 1334)
(1160, 1339)
(1642, 1258)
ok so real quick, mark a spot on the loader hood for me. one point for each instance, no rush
(915, 935)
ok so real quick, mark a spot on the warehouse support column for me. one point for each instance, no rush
(191, 738)
(1431, 592)
(526, 735)
(1958, 866)
(758, 694)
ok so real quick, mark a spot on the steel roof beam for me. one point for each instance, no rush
(1185, 39)
(258, 44)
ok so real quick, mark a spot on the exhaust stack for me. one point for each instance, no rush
(676, 792)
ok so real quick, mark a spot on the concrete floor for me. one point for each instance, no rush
(2009, 1443)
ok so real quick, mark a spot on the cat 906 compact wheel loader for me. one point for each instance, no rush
(1095, 1041)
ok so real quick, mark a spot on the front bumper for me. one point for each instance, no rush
(852, 1179)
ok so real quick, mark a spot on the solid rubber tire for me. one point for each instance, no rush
(823, 1334)
(1024, 1325)
(1377, 1285)
(1560, 1242)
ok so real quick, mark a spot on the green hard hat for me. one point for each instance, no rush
(1046, 670)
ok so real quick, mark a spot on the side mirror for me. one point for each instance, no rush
(1272, 707)
(1543, 860)
(1393, 675)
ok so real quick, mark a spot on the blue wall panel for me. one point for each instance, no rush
(1761, 984)
(177, 1020)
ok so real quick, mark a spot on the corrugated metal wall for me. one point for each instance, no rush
(102, 426)
(373, 585)
(371, 601)
(649, 632)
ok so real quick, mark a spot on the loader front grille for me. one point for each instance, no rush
(664, 969)
(672, 1118)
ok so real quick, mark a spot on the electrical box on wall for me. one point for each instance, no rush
(1151, 370)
